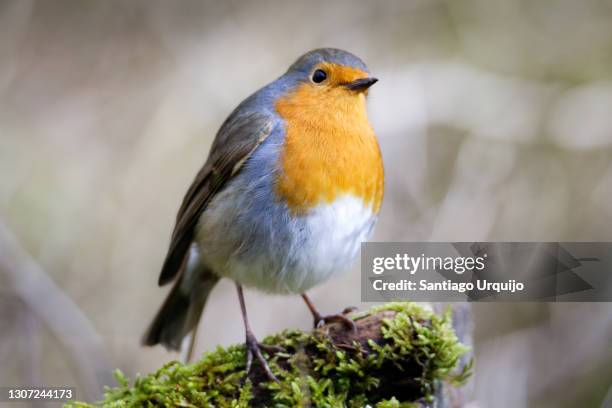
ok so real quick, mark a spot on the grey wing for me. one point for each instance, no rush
(238, 138)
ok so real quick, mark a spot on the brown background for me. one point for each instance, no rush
(494, 118)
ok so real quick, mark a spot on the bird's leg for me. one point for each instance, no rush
(337, 318)
(252, 346)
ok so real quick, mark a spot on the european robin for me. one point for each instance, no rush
(292, 185)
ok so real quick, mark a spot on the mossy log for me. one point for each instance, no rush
(402, 355)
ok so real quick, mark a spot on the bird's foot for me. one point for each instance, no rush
(271, 348)
(253, 348)
(349, 309)
(342, 318)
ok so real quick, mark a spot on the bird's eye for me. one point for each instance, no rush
(319, 76)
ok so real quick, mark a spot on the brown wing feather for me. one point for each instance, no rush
(237, 139)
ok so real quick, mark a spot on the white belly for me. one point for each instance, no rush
(336, 232)
(278, 253)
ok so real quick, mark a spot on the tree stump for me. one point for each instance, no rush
(401, 355)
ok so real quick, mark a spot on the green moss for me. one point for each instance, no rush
(414, 346)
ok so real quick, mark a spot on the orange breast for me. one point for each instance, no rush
(330, 149)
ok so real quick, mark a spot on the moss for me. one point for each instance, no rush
(412, 344)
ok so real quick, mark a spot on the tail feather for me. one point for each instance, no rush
(180, 312)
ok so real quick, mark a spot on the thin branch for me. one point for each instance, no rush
(58, 312)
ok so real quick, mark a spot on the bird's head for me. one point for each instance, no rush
(328, 72)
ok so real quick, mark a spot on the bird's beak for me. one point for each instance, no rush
(361, 84)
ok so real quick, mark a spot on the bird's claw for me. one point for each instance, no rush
(253, 348)
(271, 348)
(337, 318)
(349, 310)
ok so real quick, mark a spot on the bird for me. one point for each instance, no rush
(292, 185)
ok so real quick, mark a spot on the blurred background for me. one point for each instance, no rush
(494, 118)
